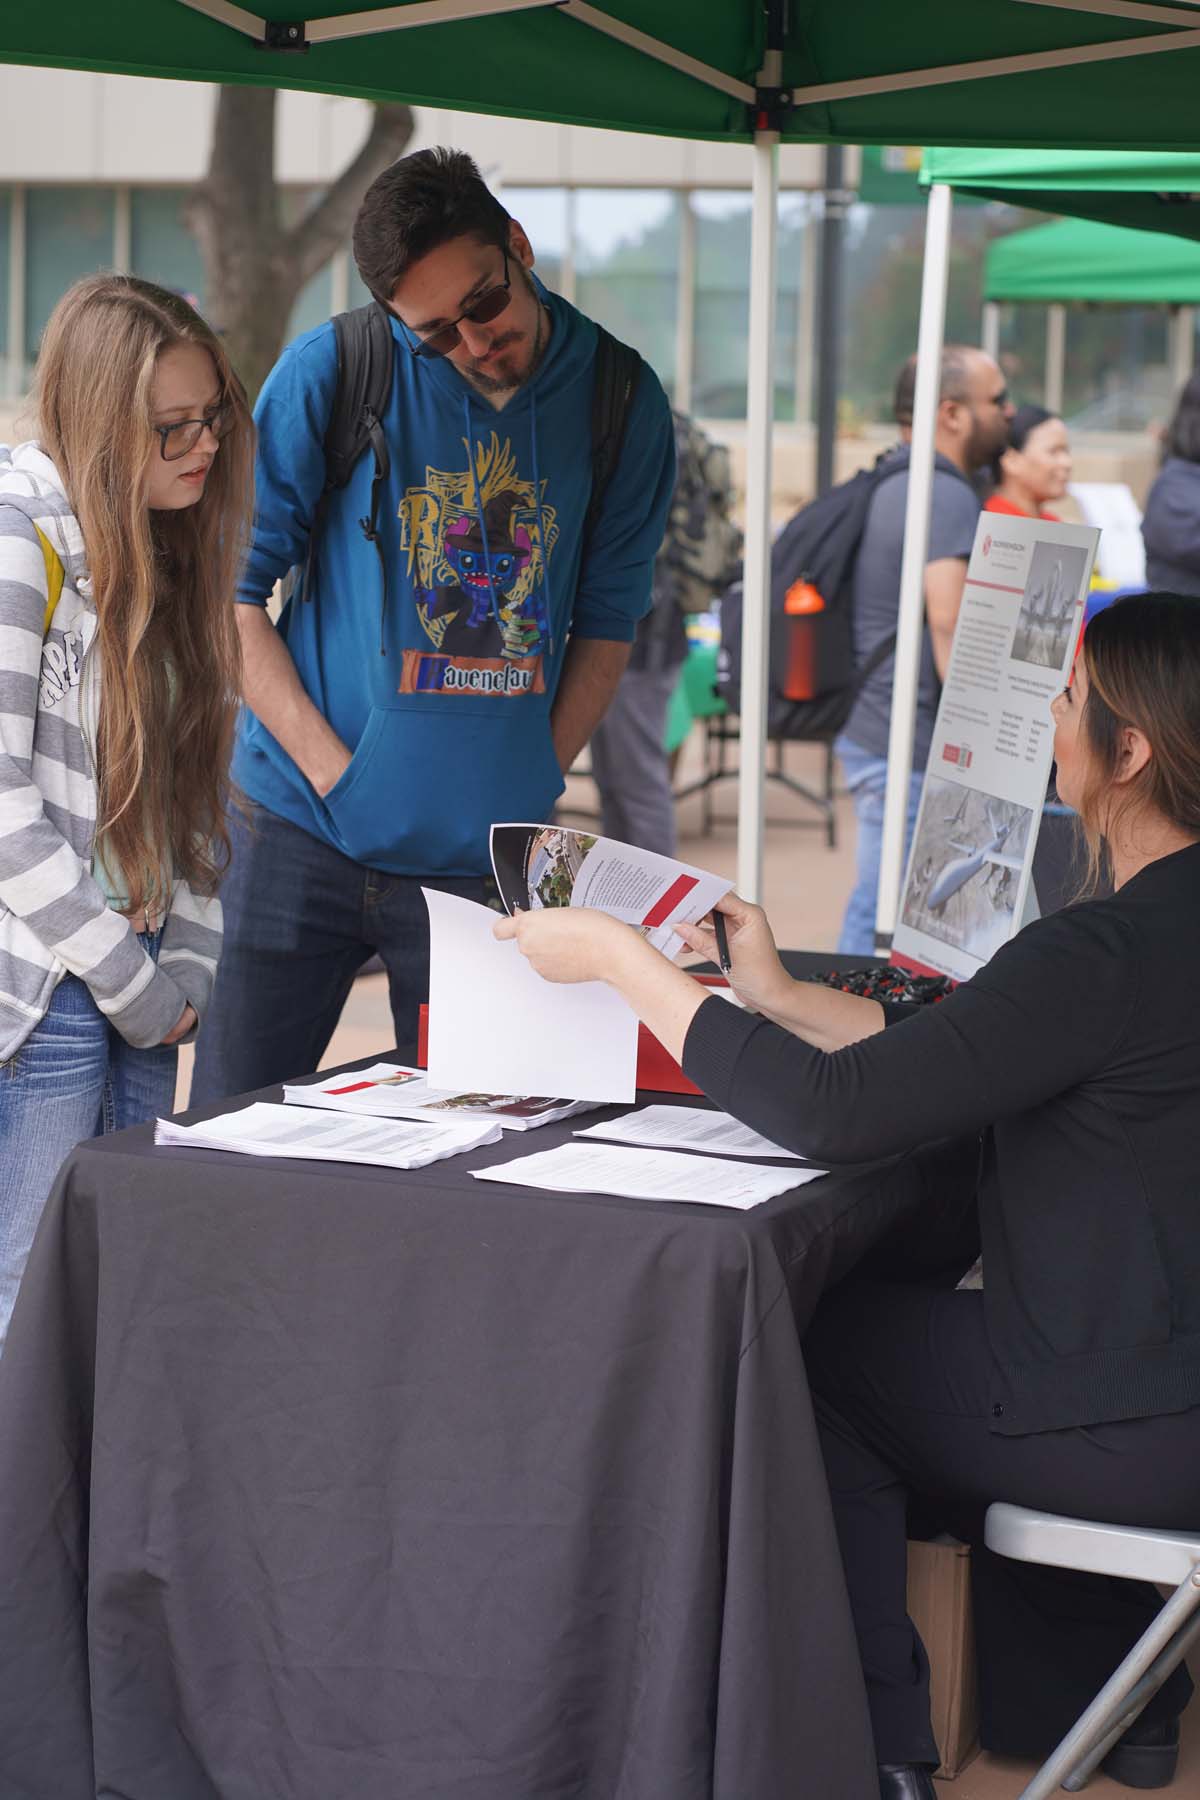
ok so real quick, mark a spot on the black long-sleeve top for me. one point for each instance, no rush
(1075, 1054)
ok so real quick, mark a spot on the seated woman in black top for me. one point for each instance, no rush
(1071, 1382)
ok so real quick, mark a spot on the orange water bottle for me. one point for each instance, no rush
(801, 604)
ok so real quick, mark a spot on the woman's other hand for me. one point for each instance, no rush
(184, 1024)
(569, 943)
(757, 975)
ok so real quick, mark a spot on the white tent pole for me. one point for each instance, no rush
(990, 337)
(756, 574)
(910, 622)
(1056, 356)
(1182, 344)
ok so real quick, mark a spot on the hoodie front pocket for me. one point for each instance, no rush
(433, 773)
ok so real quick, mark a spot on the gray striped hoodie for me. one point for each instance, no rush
(54, 918)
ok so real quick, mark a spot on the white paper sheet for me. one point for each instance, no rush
(685, 1128)
(648, 1175)
(495, 1026)
(267, 1129)
(395, 1091)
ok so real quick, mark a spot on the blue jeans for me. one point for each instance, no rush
(74, 1077)
(866, 777)
(300, 921)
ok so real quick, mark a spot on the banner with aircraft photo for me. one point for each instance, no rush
(968, 886)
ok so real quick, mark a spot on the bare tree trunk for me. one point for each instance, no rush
(255, 266)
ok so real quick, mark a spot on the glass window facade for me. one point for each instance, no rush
(625, 253)
(627, 268)
(722, 303)
(69, 233)
(163, 249)
(544, 215)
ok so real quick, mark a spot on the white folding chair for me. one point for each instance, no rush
(1168, 1558)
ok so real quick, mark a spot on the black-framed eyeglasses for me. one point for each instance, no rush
(489, 306)
(177, 439)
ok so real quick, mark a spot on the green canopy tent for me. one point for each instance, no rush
(1053, 72)
(1154, 190)
(1076, 260)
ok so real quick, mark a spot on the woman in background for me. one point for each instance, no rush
(1171, 525)
(1034, 470)
(121, 526)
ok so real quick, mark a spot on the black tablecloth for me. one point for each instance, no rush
(331, 1483)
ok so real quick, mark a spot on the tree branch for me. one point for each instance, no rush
(308, 246)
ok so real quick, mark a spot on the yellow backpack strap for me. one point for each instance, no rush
(55, 576)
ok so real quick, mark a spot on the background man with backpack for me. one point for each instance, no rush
(972, 427)
(465, 597)
(698, 557)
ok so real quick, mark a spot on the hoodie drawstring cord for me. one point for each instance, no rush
(537, 507)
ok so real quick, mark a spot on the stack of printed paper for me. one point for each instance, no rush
(263, 1129)
(391, 1091)
(686, 1128)
(647, 1175)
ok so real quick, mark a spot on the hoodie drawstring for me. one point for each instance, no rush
(537, 507)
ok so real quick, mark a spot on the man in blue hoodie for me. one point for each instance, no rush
(389, 722)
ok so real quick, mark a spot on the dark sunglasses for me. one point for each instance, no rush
(176, 440)
(489, 306)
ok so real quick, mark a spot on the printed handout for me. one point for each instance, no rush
(595, 1168)
(968, 885)
(268, 1129)
(685, 1128)
(550, 865)
(495, 1025)
(392, 1091)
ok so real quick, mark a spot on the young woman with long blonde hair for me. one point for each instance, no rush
(121, 526)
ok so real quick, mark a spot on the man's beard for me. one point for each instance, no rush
(984, 444)
(508, 384)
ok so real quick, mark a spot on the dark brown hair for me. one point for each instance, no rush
(1142, 656)
(1021, 428)
(422, 201)
(1183, 433)
(954, 382)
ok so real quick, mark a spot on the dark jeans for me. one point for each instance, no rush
(300, 921)
(900, 1378)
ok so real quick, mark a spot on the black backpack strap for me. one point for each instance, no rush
(615, 377)
(365, 353)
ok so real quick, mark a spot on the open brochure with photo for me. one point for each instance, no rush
(552, 865)
(392, 1091)
(267, 1129)
(968, 885)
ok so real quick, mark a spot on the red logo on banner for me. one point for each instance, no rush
(987, 544)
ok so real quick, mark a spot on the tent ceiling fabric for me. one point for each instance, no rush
(991, 72)
(1155, 192)
(1076, 259)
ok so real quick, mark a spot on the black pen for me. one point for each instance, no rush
(718, 920)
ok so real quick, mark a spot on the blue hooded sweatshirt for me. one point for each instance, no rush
(444, 693)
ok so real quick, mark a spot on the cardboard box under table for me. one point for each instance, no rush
(939, 1604)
